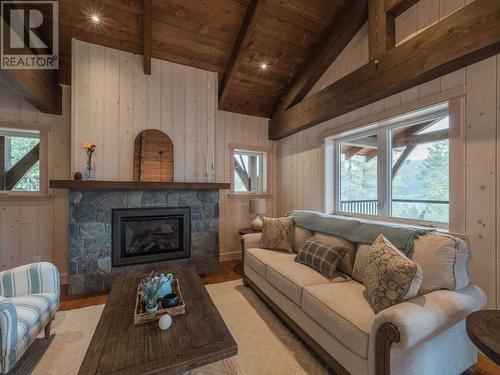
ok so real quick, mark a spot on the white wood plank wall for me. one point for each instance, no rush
(113, 101)
(37, 230)
(299, 156)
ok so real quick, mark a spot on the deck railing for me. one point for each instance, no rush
(369, 207)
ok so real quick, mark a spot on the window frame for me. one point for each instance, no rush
(42, 194)
(383, 130)
(267, 165)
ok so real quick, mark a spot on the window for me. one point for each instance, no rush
(397, 170)
(249, 170)
(21, 170)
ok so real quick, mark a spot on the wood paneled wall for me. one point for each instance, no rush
(37, 230)
(113, 101)
(300, 180)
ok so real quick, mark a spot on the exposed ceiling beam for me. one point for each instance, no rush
(401, 159)
(351, 151)
(38, 87)
(370, 155)
(246, 30)
(463, 38)
(147, 35)
(339, 36)
(381, 29)
(396, 7)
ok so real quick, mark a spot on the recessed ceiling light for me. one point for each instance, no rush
(263, 66)
(95, 18)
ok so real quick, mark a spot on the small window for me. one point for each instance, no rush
(19, 160)
(249, 171)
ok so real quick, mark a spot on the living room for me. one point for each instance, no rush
(250, 187)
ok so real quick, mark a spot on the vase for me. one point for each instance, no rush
(151, 309)
(89, 172)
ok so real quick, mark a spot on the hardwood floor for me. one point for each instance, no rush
(227, 272)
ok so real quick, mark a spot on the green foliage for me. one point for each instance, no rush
(20, 146)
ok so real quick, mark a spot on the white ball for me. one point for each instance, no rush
(165, 322)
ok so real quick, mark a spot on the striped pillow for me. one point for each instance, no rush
(321, 256)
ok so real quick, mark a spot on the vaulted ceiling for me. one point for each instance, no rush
(204, 34)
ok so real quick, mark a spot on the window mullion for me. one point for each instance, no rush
(383, 183)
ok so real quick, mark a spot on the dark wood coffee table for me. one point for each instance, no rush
(483, 328)
(195, 339)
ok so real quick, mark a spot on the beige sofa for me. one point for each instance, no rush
(425, 335)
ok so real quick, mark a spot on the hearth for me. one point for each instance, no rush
(147, 235)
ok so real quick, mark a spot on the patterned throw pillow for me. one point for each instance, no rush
(389, 276)
(277, 233)
(321, 256)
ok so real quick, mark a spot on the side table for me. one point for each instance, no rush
(239, 267)
(483, 328)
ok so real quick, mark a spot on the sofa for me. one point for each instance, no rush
(29, 300)
(423, 335)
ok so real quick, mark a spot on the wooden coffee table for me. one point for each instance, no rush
(195, 339)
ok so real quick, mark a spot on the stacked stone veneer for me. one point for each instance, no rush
(90, 233)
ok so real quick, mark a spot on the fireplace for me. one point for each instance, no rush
(147, 235)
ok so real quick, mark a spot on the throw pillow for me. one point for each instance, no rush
(321, 256)
(300, 237)
(347, 263)
(277, 233)
(389, 276)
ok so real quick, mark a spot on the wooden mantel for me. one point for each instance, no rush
(135, 185)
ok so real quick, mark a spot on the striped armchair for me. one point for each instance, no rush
(29, 300)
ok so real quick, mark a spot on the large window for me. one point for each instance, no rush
(396, 170)
(19, 161)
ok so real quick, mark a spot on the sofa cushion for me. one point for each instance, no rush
(278, 233)
(258, 259)
(290, 278)
(301, 236)
(322, 257)
(444, 260)
(32, 310)
(341, 310)
(390, 277)
(346, 265)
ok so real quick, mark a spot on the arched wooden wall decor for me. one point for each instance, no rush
(153, 157)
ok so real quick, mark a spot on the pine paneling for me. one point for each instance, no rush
(36, 230)
(298, 182)
(115, 101)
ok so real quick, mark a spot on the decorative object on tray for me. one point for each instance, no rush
(78, 176)
(151, 305)
(89, 172)
(165, 322)
(257, 206)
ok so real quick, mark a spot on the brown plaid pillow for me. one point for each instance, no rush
(321, 256)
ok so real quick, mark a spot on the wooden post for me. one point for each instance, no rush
(381, 29)
(147, 35)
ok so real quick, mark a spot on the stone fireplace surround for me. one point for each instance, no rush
(90, 233)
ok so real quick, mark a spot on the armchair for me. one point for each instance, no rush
(29, 300)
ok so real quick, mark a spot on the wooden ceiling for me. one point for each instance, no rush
(203, 34)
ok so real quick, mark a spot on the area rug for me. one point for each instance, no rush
(265, 344)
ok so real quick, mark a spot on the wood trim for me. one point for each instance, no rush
(338, 38)
(147, 35)
(393, 113)
(322, 353)
(24, 197)
(386, 335)
(237, 146)
(469, 35)
(381, 29)
(246, 31)
(135, 185)
(249, 195)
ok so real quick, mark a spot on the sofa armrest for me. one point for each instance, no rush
(251, 240)
(42, 277)
(421, 318)
(8, 332)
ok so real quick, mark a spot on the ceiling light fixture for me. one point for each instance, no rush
(95, 18)
(263, 66)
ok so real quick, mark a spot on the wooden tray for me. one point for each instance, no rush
(141, 316)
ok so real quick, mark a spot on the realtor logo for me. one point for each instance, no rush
(30, 35)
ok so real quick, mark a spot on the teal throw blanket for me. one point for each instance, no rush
(359, 230)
